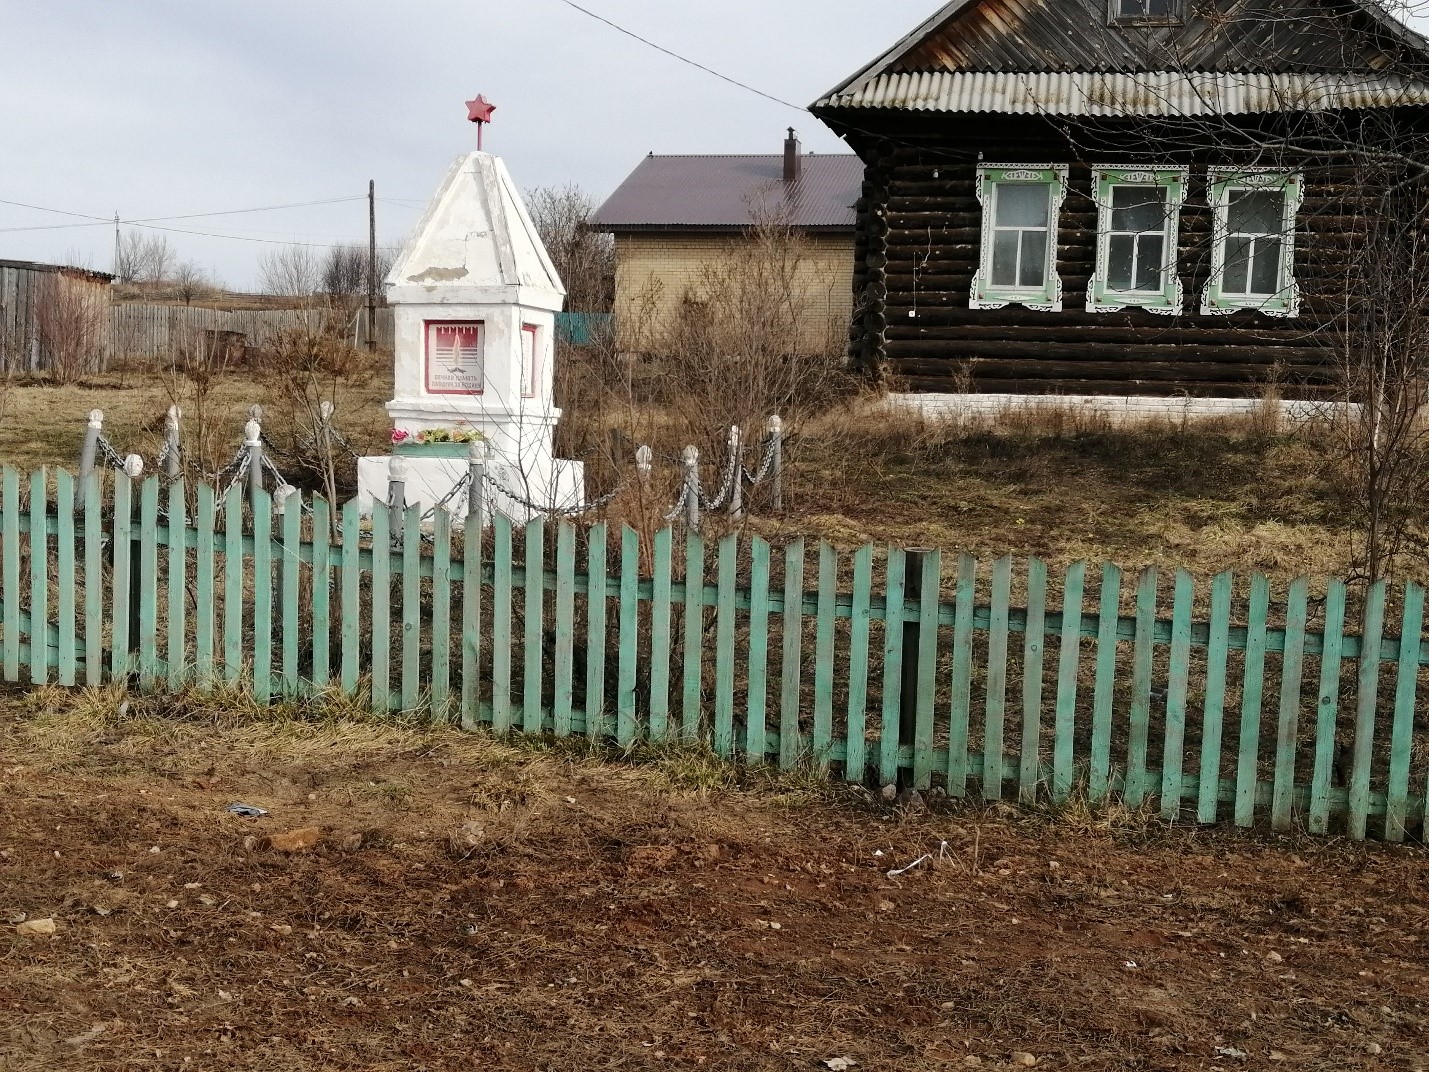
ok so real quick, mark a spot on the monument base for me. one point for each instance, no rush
(509, 491)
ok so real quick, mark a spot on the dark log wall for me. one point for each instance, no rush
(1217, 35)
(919, 239)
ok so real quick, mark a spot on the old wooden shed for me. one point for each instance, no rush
(52, 314)
(1129, 198)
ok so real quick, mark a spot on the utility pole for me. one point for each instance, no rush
(116, 242)
(372, 264)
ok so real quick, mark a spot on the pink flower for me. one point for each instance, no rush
(399, 436)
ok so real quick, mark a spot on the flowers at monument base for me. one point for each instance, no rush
(437, 435)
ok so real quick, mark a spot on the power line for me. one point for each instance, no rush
(683, 59)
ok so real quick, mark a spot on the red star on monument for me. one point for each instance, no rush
(479, 110)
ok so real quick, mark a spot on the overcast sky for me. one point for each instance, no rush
(163, 108)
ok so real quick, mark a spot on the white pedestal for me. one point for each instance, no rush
(518, 495)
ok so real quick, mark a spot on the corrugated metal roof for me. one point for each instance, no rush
(728, 192)
(1166, 93)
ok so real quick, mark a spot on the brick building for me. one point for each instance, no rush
(676, 216)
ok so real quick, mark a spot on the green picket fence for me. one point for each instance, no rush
(1211, 702)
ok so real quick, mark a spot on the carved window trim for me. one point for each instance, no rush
(1177, 16)
(1170, 300)
(1048, 297)
(1220, 183)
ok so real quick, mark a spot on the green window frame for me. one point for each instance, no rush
(1138, 240)
(1018, 258)
(1253, 245)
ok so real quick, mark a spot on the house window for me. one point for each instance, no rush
(530, 363)
(1148, 12)
(456, 362)
(1253, 248)
(1138, 231)
(1019, 237)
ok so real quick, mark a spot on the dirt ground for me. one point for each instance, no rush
(474, 904)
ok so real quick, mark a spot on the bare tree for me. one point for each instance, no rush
(584, 259)
(290, 271)
(190, 281)
(141, 258)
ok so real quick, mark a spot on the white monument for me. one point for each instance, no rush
(475, 298)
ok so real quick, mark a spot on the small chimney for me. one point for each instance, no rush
(793, 162)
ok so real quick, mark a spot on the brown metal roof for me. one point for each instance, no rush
(34, 266)
(728, 193)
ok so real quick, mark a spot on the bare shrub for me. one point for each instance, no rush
(290, 271)
(72, 326)
(190, 281)
(584, 259)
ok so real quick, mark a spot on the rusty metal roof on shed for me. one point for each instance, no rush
(1099, 93)
(729, 193)
(35, 266)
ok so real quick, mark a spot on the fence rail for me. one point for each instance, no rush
(880, 662)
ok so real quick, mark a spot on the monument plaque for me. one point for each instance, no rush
(455, 359)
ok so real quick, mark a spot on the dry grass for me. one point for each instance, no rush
(524, 907)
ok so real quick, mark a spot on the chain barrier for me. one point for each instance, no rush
(112, 457)
(571, 511)
(766, 466)
(680, 503)
(457, 489)
(727, 488)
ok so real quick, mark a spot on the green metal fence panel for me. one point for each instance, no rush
(994, 731)
(233, 571)
(39, 578)
(756, 727)
(1371, 640)
(351, 597)
(441, 614)
(825, 635)
(381, 600)
(10, 560)
(94, 582)
(1068, 664)
(291, 574)
(960, 706)
(564, 681)
(176, 582)
(205, 576)
(502, 640)
(1328, 707)
(120, 565)
(628, 662)
(1401, 747)
(1287, 734)
(321, 638)
(930, 585)
(1213, 706)
(1248, 764)
(728, 568)
(861, 616)
(65, 579)
(1033, 673)
(661, 639)
(1143, 664)
(1178, 684)
(159, 616)
(692, 648)
(597, 565)
(1104, 689)
(533, 607)
(261, 503)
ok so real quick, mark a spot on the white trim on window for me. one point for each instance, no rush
(1012, 246)
(1258, 250)
(1103, 293)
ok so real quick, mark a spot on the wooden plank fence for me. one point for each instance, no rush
(1208, 703)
